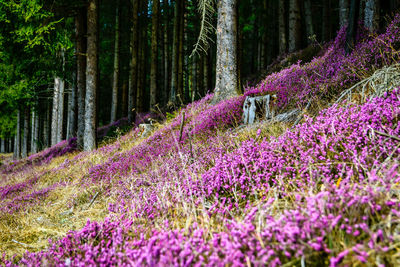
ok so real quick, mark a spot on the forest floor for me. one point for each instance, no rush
(323, 192)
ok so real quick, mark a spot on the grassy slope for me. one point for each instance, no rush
(315, 193)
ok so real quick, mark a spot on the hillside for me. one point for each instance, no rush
(322, 192)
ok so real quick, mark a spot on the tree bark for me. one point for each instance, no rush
(166, 52)
(371, 19)
(133, 73)
(60, 124)
(309, 21)
(114, 102)
(352, 28)
(46, 128)
(226, 68)
(54, 117)
(71, 124)
(89, 141)
(194, 78)
(80, 31)
(206, 75)
(343, 12)
(17, 142)
(3, 146)
(294, 26)
(326, 21)
(154, 53)
(24, 151)
(35, 132)
(282, 28)
(142, 65)
(181, 54)
(175, 52)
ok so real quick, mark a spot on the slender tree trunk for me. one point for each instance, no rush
(154, 53)
(60, 125)
(114, 102)
(80, 31)
(226, 68)
(371, 19)
(89, 141)
(343, 12)
(194, 78)
(166, 52)
(17, 142)
(3, 146)
(206, 75)
(309, 21)
(352, 28)
(46, 128)
(200, 81)
(133, 73)
(71, 125)
(294, 25)
(142, 65)
(25, 140)
(326, 21)
(35, 132)
(181, 54)
(282, 27)
(175, 52)
(54, 117)
(124, 99)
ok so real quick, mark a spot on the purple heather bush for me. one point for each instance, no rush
(325, 193)
(336, 169)
(333, 71)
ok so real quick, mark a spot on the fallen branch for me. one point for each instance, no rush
(182, 125)
(93, 199)
(387, 135)
(22, 244)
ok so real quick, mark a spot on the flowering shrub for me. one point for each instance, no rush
(333, 71)
(43, 157)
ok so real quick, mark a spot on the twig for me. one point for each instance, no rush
(20, 243)
(387, 135)
(93, 200)
(182, 125)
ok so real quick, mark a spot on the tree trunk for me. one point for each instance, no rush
(3, 146)
(200, 80)
(35, 132)
(89, 141)
(326, 21)
(142, 65)
(181, 54)
(80, 31)
(294, 26)
(352, 28)
(309, 22)
(194, 78)
(343, 12)
(24, 151)
(46, 128)
(371, 19)
(114, 102)
(71, 124)
(282, 27)
(17, 142)
(154, 53)
(206, 75)
(175, 52)
(226, 69)
(54, 117)
(166, 52)
(133, 73)
(60, 125)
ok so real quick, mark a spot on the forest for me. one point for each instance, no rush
(199, 133)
